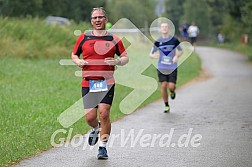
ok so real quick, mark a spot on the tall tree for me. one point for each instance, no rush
(175, 11)
(246, 16)
(77, 10)
(237, 20)
(218, 11)
(17, 8)
(55, 7)
(137, 12)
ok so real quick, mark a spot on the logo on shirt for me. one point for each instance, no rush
(91, 44)
(107, 45)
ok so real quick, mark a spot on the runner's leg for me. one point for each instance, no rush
(91, 117)
(164, 91)
(172, 86)
(104, 111)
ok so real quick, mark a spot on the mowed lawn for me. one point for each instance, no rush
(34, 92)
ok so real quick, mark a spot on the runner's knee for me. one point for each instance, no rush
(90, 118)
(104, 115)
(164, 86)
(172, 88)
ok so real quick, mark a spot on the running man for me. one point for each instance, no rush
(183, 30)
(168, 51)
(193, 32)
(98, 48)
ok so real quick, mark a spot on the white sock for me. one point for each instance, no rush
(102, 144)
(97, 127)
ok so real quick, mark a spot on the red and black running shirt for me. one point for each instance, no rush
(94, 50)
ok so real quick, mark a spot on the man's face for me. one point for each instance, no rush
(98, 20)
(164, 28)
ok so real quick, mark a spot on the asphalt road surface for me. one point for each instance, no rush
(210, 124)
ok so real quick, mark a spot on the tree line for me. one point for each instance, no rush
(230, 17)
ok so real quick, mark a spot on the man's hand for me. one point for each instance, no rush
(175, 59)
(81, 63)
(154, 55)
(111, 61)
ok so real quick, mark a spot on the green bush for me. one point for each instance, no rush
(32, 38)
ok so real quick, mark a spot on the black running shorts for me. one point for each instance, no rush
(92, 99)
(193, 39)
(172, 77)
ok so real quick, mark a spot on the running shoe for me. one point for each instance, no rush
(167, 109)
(173, 95)
(93, 136)
(102, 153)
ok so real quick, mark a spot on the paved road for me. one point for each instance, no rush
(210, 125)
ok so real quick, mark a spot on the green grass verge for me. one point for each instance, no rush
(35, 91)
(32, 38)
(245, 49)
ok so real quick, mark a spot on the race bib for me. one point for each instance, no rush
(166, 60)
(98, 85)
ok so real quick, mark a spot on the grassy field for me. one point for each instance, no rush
(32, 38)
(245, 49)
(36, 89)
